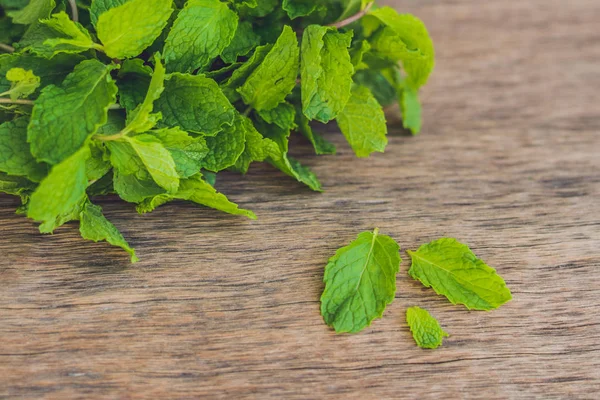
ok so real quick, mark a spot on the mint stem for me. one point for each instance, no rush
(10, 101)
(353, 18)
(7, 48)
(74, 11)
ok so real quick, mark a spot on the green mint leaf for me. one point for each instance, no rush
(56, 35)
(452, 270)
(271, 82)
(23, 83)
(284, 116)
(239, 76)
(384, 91)
(256, 148)
(225, 147)
(62, 190)
(133, 81)
(65, 116)
(125, 31)
(411, 109)
(196, 190)
(35, 10)
(187, 151)
(299, 8)
(94, 226)
(194, 103)
(405, 38)
(51, 71)
(320, 144)
(360, 281)
(115, 123)
(133, 189)
(99, 7)
(242, 43)
(15, 157)
(257, 8)
(143, 119)
(363, 123)
(426, 330)
(51, 225)
(202, 30)
(357, 53)
(326, 72)
(97, 165)
(15, 185)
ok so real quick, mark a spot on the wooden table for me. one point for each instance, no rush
(509, 162)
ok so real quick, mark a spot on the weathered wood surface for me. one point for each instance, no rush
(509, 162)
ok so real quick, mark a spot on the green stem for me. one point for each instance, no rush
(109, 138)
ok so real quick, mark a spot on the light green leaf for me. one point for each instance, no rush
(202, 30)
(61, 190)
(257, 8)
(133, 189)
(239, 76)
(133, 81)
(384, 91)
(195, 189)
(360, 281)
(283, 116)
(225, 147)
(23, 82)
(50, 226)
(411, 109)
(256, 148)
(63, 117)
(187, 151)
(94, 226)
(35, 10)
(299, 8)
(452, 270)
(194, 103)
(271, 82)
(406, 39)
(352, 7)
(357, 53)
(363, 123)
(242, 43)
(15, 157)
(320, 144)
(143, 119)
(326, 72)
(99, 7)
(125, 31)
(97, 165)
(426, 330)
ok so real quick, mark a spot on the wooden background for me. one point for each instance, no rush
(222, 307)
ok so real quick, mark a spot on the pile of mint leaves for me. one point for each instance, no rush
(148, 99)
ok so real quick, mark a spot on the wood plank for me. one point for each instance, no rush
(509, 162)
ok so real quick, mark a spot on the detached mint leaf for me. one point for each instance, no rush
(61, 190)
(360, 281)
(194, 103)
(15, 157)
(94, 226)
(64, 117)
(405, 38)
(23, 83)
(197, 190)
(452, 270)
(202, 30)
(125, 31)
(271, 82)
(363, 123)
(35, 10)
(426, 330)
(326, 72)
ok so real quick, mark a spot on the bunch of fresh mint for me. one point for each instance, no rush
(149, 98)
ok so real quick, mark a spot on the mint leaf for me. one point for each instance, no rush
(194, 103)
(256, 147)
(426, 330)
(242, 43)
(65, 116)
(270, 83)
(452, 270)
(202, 30)
(360, 281)
(133, 81)
(61, 190)
(326, 72)
(141, 118)
(239, 76)
(23, 83)
(405, 38)
(188, 152)
(94, 226)
(225, 147)
(320, 144)
(196, 190)
(35, 10)
(15, 158)
(362, 122)
(283, 116)
(133, 189)
(411, 109)
(99, 7)
(125, 31)
(299, 8)
(56, 35)
(15, 185)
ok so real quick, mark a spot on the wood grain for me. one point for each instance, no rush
(220, 307)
